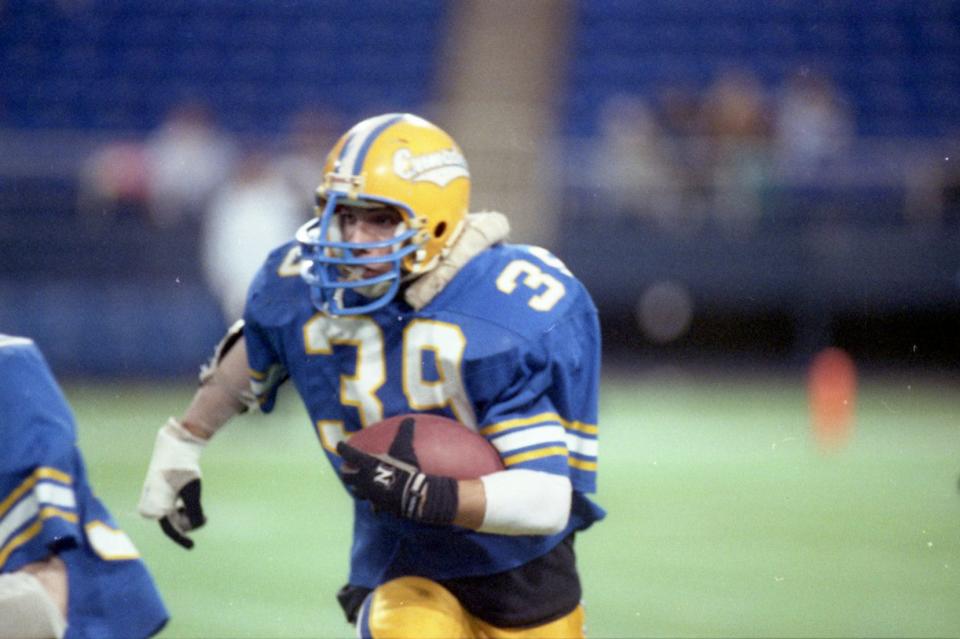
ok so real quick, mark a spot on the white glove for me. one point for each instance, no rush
(171, 490)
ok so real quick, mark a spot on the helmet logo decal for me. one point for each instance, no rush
(439, 167)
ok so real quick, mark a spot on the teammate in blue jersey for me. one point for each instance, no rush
(396, 300)
(65, 567)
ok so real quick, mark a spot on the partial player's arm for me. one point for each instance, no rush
(37, 435)
(33, 601)
(171, 490)
(224, 387)
(515, 502)
(510, 502)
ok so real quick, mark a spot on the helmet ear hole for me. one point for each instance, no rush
(440, 229)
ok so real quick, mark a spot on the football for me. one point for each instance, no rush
(443, 446)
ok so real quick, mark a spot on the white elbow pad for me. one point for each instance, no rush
(26, 610)
(525, 502)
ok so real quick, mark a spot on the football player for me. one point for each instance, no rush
(396, 300)
(66, 570)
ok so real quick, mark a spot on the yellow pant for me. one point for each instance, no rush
(413, 607)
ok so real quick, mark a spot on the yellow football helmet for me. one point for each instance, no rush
(402, 161)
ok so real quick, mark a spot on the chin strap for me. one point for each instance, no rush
(481, 231)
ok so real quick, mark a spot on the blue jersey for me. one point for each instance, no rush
(47, 506)
(510, 348)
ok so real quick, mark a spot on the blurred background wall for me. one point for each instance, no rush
(736, 181)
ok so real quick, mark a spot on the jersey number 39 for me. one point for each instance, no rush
(442, 342)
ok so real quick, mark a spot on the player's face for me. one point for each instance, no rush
(369, 225)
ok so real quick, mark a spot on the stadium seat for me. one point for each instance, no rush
(176, 47)
(868, 47)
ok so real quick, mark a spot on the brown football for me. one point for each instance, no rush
(443, 446)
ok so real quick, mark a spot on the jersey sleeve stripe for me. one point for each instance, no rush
(583, 429)
(524, 439)
(46, 493)
(43, 472)
(46, 472)
(264, 384)
(519, 458)
(582, 464)
(7, 548)
(521, 422)
(536, 436)
(49, 512)
(55, 495)
(585, 447)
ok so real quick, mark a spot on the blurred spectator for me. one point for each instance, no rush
(812, 122)
(253, 213)
(737, 123)
(679, 111)
(114, 181)
(311, 135)
(186, 159)
(631, 162)
(735, 108)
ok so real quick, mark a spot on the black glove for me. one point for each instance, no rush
(394, 483)
(189, 515)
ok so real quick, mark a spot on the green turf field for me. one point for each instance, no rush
(725, 520)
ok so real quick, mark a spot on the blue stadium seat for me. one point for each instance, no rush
(879, 52)
(179, 47)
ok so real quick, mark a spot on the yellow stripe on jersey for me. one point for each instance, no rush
(263, 383)
(520, 422)
(519, 458)
(49, 512)
(582, 464)
(46, 472)
(587, 429)
(579, 464)
(43, 472)
(33, 530)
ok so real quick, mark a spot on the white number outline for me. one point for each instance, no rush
(534, 278)
(322, 333)
(447, 343)
(290, 266)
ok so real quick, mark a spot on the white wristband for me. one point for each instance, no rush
(525, 502)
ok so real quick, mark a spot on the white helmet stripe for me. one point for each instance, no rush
(354, 152)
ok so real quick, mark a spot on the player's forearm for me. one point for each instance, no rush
(223, 393)
(52, 575)
(209, 410)
(471, 503)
